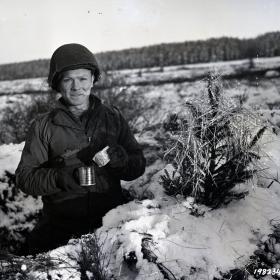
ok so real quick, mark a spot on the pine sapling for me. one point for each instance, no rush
(212, 146)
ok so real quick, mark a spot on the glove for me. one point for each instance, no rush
(118, 156)
(67, 178)
(85, 155)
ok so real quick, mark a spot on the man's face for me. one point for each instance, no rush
(75, 86)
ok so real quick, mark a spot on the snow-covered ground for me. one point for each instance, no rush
(9, 157)
(17, 210)
(264, 93)
(187, 245)
(23, 85)
(133, 76)
(219, 240)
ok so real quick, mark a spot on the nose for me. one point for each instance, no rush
(76, 84)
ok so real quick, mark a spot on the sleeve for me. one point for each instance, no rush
(136, 164)
(30, 177)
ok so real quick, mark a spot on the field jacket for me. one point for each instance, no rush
(59, 131)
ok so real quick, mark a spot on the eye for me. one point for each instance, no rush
(83, 79)
(66, 80)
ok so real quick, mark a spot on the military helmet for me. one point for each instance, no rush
(70, 57)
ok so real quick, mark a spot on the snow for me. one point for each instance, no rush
(197, 247)
(132, 76)
(222, 239)
(9, 157)
(260, 62)
(23, 85)
(20, 206)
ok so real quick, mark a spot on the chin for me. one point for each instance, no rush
(76, 102)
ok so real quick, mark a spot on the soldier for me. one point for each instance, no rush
(67, 138)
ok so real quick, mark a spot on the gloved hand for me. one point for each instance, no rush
(118, 156)
(67, 178)
(85, 155)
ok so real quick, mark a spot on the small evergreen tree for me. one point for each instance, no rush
(212, 148)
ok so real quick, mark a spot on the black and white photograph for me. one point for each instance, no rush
(139, 139)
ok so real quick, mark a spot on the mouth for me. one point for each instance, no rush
(77, 95)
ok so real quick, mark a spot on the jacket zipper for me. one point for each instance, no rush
(88, 192)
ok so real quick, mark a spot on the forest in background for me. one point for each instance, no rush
(200, 51)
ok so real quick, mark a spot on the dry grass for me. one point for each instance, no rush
(17, 118)
(213, 147)
(89, 260)
(19, 267)
(134, 106)
(92, 259)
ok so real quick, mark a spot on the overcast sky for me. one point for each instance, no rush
(33, 29)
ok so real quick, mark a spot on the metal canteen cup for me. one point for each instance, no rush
(86, 176)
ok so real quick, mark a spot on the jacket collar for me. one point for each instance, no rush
(61, 115)
(93, 102)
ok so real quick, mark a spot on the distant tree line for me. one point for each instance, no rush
(22, 70)
(211, 50)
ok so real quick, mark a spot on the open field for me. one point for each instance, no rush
(186, 245)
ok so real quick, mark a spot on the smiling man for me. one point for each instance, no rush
(68, 138)
(75, 87)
